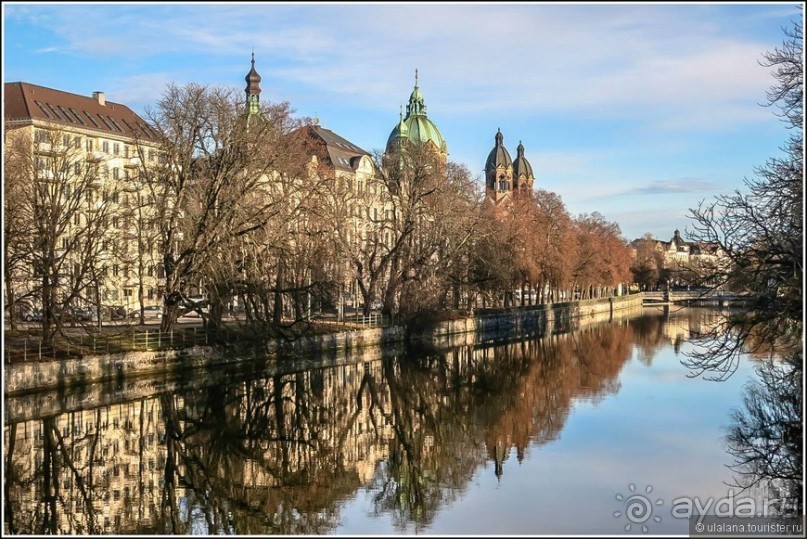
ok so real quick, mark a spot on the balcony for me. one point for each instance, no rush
(94, 157)
(133, 162)
(44, 148)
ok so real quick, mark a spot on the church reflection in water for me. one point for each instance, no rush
(280, 453)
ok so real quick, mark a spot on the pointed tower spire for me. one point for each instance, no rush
(253, 89)
(416, 106)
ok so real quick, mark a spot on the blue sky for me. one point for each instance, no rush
(635, 111)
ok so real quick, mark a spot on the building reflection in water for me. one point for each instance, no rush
(280, 454)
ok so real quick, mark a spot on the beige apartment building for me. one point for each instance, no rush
(79, 156)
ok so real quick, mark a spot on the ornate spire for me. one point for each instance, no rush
(416, 106)
(253, 89)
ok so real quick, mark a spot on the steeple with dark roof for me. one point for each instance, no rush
(253, 89)
(522, 170)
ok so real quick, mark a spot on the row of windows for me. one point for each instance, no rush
(71, 115)
(45, 136)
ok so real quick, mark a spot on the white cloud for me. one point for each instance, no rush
(601, 60)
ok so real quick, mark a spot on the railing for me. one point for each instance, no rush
(373, 320)
(76, 346)
(693, 295)
(33, 349)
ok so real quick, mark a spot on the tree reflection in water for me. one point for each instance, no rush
(281, 454)
(767, 439)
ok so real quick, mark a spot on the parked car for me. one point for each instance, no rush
(150, 311)
(31, 315)
(84, 313)
(194, 305)
(117, 312)
(67, 314)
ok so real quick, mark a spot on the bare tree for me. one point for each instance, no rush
(648, 264)
(761, 232)
(215, 180)
(17, 226)
(69, 199)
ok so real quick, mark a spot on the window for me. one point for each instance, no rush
(77, 167)
(115, 173)
(89, 144)
(64, 243)
(105, 147)
(115, 270)
(68, 115)
(56, 112)
(111, 119)
(127, 292)
(106, 122)
(125, 150)
(77, 219)
(66, 141)
(116, 148)
(77, 142)
(44, 109)
(78, 117)
(92, 119)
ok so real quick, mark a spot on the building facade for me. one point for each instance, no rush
(71, 172)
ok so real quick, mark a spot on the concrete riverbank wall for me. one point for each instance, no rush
(114, 372)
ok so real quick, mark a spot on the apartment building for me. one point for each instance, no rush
(73, 161)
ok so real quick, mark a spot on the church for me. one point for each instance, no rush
(506, 179)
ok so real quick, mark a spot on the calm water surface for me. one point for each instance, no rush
(540, 436)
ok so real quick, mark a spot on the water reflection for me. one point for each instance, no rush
(281, 453)
(767, 438)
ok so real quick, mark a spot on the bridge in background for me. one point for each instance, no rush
(695, 297)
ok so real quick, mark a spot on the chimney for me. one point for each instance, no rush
(99, 96)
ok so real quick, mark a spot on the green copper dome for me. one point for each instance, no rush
(416, 126)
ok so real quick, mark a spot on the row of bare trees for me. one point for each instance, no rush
(241, 208)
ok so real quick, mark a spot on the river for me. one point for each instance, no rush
(541, 436)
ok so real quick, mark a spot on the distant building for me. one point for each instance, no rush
(680, 254)
(416, 127)
(505, 178)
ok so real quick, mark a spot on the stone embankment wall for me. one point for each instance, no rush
(114, 369)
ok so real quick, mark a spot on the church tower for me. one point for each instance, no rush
(522, 173)
(416, 127)
(507, 179)
(499, 171)
(253, 90)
